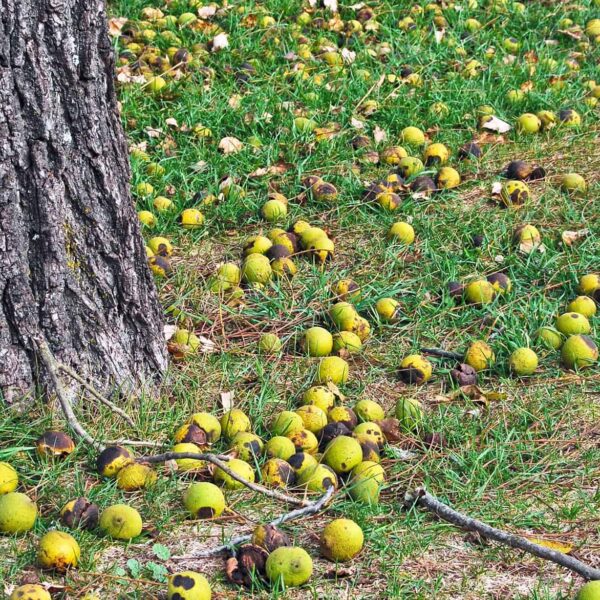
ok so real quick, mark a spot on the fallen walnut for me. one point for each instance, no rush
(248, 564)
(464, 374)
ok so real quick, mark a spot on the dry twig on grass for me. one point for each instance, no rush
(298, 513)
(54, 369)
(218, 461)
(442, 353)
(424, 499)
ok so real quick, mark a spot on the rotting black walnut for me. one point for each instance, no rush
(80, 513)
(434, 440)
(360, 141)
(477, 241)
(464, 374)
(269, 537)
(456, 289)
(331, 431)
(278, 251)
(55, 443)
(519, 169)
(190, 433)
(469, 150)
(423, 185)
(248, 564)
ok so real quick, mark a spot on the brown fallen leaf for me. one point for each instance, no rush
(326, 133)
(336, 392)
(115, 25)
(477, 395)
(570, 237)
(278, 168)
(339, 572)
(230, 145)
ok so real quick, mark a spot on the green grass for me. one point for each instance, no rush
(527, 462)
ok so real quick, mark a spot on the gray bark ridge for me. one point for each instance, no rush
(72, 261)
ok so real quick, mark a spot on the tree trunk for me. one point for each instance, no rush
(73, 268)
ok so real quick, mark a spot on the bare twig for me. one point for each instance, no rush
(442, 353)
(298, 513)
(218, 462)
(94, 392)
(138, 443)
(52, 367)
(425, 500)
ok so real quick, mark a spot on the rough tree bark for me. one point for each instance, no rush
(72, 263)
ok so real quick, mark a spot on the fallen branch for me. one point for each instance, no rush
(423, 499)
(53, 369)
(298, 513)
(94, 392)
(442, 353)
(218, 462)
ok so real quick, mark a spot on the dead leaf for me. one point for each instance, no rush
(178, 352)
(154, 132)
(563, 547)
(336, 392)
(227, 400)
(125, 75)
(230, 145)
(477, 395)
(235, 101)
(279, 168)
(379, 135)
(206, 12)
(439, 35)
(357, 123)
(171, 122)
(497, 125)
(574, 34)
(115, 25)
(391, 429)
(199, 166)
(348, 55)
(496, 188)
(326, 133)
(339, 572)
(529, 246)
(570, 237)
(332, 5)
(207, 346)
(527, 86)
(220, 42)
(169, 331)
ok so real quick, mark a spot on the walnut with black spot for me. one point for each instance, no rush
(80, 513)
(330, 432)
(54, 444)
